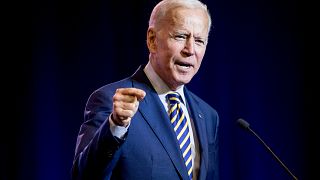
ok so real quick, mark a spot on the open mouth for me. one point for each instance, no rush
(184, 64)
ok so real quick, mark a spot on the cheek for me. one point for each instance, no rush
(175, 47)
(200, 55)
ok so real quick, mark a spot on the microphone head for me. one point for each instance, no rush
(244, 124)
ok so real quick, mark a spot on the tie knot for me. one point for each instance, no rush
(173, 97)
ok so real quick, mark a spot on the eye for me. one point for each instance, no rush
(180, 37)
(200, 42)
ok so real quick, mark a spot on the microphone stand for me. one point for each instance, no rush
(274, 155)
(244, 124)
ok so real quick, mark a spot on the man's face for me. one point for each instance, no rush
(180, 45)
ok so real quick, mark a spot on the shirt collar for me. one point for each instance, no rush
(158, 84)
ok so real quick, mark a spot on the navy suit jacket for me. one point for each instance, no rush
(150, 149)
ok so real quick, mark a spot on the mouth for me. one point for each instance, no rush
(184, 65)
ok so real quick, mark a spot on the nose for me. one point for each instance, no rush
(188, 49)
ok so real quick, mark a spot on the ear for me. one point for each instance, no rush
(151, 40)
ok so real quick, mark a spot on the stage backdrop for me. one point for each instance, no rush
(254, 68)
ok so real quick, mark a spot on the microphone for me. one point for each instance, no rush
(244, 124)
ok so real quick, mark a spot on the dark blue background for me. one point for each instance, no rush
(255, 68)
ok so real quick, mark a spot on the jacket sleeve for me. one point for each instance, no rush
(97, 150)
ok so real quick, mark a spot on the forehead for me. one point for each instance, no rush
(185, 18)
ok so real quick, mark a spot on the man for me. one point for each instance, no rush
(128, 134)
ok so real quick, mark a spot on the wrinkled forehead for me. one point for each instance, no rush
(181, 17)
(181, 14)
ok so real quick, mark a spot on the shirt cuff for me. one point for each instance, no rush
(118, 131)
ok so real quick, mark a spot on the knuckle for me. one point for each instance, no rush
(115, 97)
(132, 106)
(116, 104)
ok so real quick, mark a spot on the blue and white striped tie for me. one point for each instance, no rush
(180, 126)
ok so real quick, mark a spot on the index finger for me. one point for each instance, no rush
(138, 93)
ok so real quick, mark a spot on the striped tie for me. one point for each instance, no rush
(180, 126)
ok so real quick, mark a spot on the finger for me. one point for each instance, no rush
(123, 113)
(126, 106)
(124, 98)
(138, 93)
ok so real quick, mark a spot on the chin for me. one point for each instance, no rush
(184, 81)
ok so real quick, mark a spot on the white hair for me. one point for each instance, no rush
(164, 6)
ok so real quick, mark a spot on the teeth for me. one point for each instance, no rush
(184, 66)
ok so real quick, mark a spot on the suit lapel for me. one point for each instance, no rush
(159, 121)
(200, 126)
